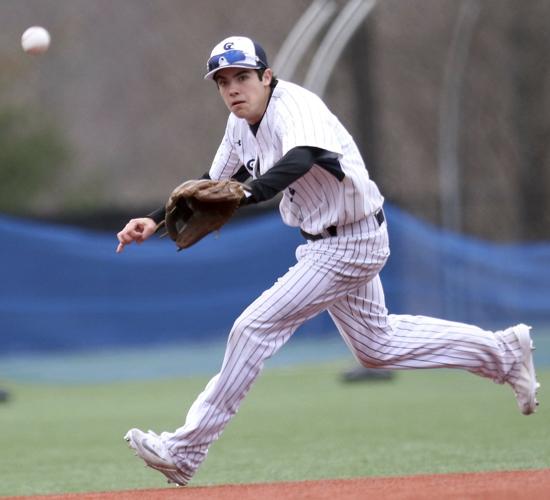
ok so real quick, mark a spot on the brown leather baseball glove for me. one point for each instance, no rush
(198, 207)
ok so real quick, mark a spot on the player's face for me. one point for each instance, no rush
(244, 94)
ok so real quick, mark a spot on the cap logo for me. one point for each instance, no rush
(228, 46)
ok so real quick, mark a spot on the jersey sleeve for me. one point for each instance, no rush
(226, 163)
(290, 167)
(306, 121)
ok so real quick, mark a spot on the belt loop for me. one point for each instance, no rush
(379, 215)
(311, 237)
(329, 231)
(332, 231)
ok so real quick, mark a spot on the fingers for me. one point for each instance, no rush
(137, 230)
(130, 233)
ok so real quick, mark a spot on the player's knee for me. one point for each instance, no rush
(375, 359)
(370, 362)
(244, 326)
(255, 329)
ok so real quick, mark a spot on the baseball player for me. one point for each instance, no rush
(287, 141)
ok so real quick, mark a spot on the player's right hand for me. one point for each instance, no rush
(137, 230)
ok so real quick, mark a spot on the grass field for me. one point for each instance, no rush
(297, 423)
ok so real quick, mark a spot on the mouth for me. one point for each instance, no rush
(237, 103)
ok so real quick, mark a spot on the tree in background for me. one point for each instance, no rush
(32, 154)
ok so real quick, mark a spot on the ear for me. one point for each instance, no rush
(267, 76)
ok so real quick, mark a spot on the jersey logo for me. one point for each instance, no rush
(250, 164)
(292, 193)
(239, 142)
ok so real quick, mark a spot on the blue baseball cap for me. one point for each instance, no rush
(235, 52)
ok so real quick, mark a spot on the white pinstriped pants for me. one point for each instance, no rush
(338, 274)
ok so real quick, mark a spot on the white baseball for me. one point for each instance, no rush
(35, 40)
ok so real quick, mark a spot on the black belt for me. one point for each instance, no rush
(333, 230)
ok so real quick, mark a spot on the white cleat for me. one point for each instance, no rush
(525, 385)
(152, 450)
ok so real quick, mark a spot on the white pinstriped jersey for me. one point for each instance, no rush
(297, 117)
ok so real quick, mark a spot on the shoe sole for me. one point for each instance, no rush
(527, 347)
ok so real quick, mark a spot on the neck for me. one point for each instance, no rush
(255, 121)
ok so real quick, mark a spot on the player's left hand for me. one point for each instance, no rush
(198, 207)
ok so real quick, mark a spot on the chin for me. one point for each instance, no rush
(240, 114)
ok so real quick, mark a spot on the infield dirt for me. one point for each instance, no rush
(509, 485)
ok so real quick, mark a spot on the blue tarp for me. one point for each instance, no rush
(63, 288)
(448, 275)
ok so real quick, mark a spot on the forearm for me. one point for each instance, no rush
(157, 215)
(288, 169)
